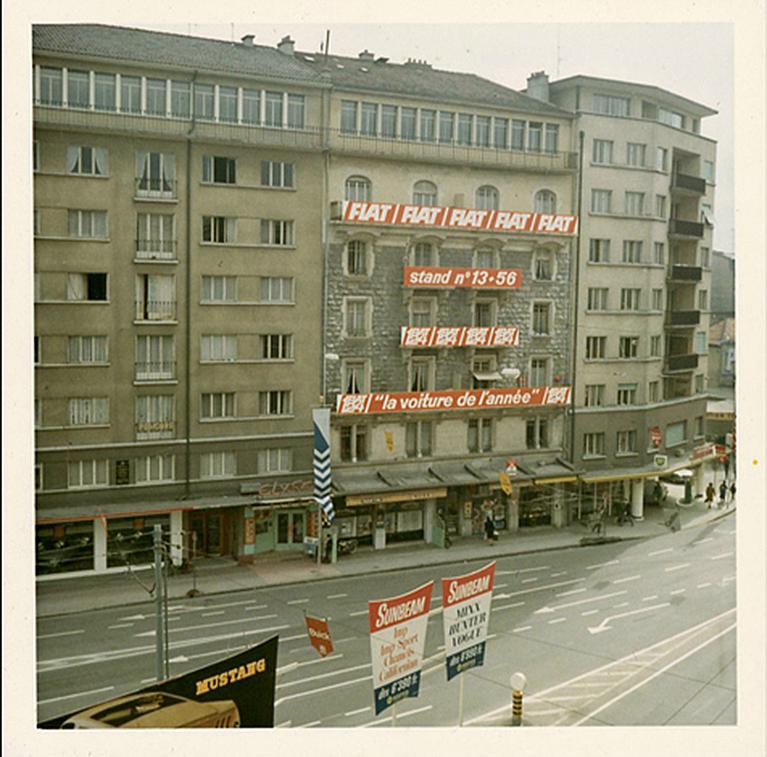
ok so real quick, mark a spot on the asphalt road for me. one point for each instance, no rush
(632, 633)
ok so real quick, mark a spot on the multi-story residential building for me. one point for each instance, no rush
(209, 268)
(644, 279)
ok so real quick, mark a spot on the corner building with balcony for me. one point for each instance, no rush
(644, 283)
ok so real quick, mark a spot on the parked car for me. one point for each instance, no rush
(678, 476)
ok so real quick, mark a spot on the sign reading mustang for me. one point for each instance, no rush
(451, 399)
(459, 336)
(394, 214)
(476, 278)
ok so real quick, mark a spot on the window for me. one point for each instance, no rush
(407, 127)
(594, 444)
(204, 102)
(543, 265)
(369, 119)
(634, 203)
(655, 345)
(51, 86)
(676, 433)
(423, 311)
(273, 109)
(611, 105)
(632, 251)
(156, 174)
(348, 117)
(484, 313)
(601, 200)
(155, 236)
(628, 346)
(155, 357)
(251, 106)
(155, 298)
(219, 288)
(671, 118)
(218, 229)
(35, 156)
(446, 127)
(627, 394)
(217, 405)
(354, 443)
(708, 171)
(657, 299)
(218, 347)
(418, 438)
(699, 383)
(518, 129)
(155, 416)
(635, 154)
(545, 201)
(38, 477)
(537, 433)
(357, 317)
(464, 128)
(487, 198)
(38, 413)
(595, 395)
(698, 432)
(424, 254)
(154, 468)
(602, 151)
(37, 350)
(355, 377)
(424, 193)
(500, 133)
(480, 437)
(699, 343)
(218, 170)
(428, 125)
(705, 257)
(661, 159)
(278, 460)
(541, 318)
(702, 299)
(653, 391)
(105, 91)
(484, 258)
(89, 411)
(277, 289)
(275, 402)
(630, 299)
(276, 347)
(356, 257)
(156, 99)
(78, 89)
(88, 224)
(482, 136)
(534, 136)
(296, 110)
(88, 287)
(595, 347)
(659, 253)
(597, 298)
(37, 222)
(389, 121)
(275, 173)
(660, 206)
(626, 442)
(551, 138)
(358, 188)
(130, 94)
(218, 464)
(422, 371)
(484, 372)
(85, 474)
(227, 104)
(706, 213)
(540, 370)
(180, 99)
(279, 233)
(599, 250)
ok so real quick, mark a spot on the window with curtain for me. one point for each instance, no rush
(130, 94)
(204, 95)
(78, 89)
(545, 201)
(87, 161)
(487, 198)
(156, 100)
(156, 174)
(180, 99)
(358, 188)
(105, 92)
(424, 193)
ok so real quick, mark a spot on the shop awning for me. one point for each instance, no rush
(415, 477)
(647, 471)
(487, 376)
(487, 469)
(354, 482)
(454, 474)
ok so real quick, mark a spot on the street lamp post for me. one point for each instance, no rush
(518, 681)
(159, 594)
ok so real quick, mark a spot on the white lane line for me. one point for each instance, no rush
(660, 552)
(703, 541)
(679, 591)
(293, 638)
(528, 580)
(341, 641)
(520, 629)
(568, 593)
(590, 612)
(209, 625)
(581, 602)
(123, 625)
(359, 612)
(400, 715)
(557, 620)
(508, 607)
(727, 579)
(61, 633)
(626, 580)
(198, 608)
(297, 601)
(78, 694)
(336, 596)
(556, 575)
(521, 570)
(723, 555)
(215, 612)
(322, 676)
(703, 586)
(622, 604)
(499, 586)
(310, 725)
(255, 607)
(602, 564)
(356, 712)
(323, 688)
(649, 599)
(677, 567)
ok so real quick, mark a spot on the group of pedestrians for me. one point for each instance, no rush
(726, 494)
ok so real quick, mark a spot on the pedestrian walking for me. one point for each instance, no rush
(710, 492)
(722, 493)
(732, 491)
(489, 529)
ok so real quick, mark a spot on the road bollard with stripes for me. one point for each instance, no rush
(518, 681)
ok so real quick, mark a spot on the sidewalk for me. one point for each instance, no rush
(217, 575)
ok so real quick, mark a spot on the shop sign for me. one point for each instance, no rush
(459, 336)
(721, 453)
(250, 530)
(660, 461)
(511, 466)
(389, 437)
(703, 452)
(397, 637)
(319, 635)
(282, 488)
(451, 399)
(452, 278)
(505, 482)
(408, 496)
(468, 219)
(656, 436)
(122, 472)
(465, 616)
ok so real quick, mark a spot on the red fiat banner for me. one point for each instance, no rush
(394, 214)
(451, 399)
(476, 278)
(319, 635)
(459, 336)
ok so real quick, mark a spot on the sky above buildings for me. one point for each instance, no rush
(694, 60)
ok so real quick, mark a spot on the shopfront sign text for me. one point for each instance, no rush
(451, 278)
(459, 336)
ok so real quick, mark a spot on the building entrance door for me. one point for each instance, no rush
(290, 528)
(211, 529)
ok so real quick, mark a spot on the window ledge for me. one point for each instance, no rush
(164, 200)
(72, 302)
(72, 427)
(148, 381)
(626, 454)
(155, 323)
(153, 261)
(594, 457)
(72, 365)
(54, 238)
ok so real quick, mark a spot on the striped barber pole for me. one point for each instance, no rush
(321, 419)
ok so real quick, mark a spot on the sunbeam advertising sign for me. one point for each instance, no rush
(465, 614)
(397, 636)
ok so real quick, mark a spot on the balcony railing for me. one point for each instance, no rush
(162, 370)
(681, 363)
(691, 273)
(692, 184)
(155, 429)
(683, 318)
(156, 249)
(149, 188)
(155, 310)
(685, 228)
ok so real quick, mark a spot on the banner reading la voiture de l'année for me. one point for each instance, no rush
(451, 399)
(395, 214)
(397, 636)
(465, 615)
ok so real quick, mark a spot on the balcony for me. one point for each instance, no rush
(680, 363)
(688, 184)
(683, 318)
(155, 188)
(160, 370)
(686, 273)
(156, 249)
(156, 429)
(155, 310)
(688, 229)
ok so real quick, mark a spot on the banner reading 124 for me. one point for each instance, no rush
(465, 613)
(397, 636)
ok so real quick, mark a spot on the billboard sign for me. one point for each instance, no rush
(319, 635)
(459, 336)
(465, 615)
(451, 278)
(397, 637)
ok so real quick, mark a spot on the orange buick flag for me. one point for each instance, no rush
(319, 635)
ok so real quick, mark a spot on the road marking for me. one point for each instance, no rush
(78, 694)
(590, 612)
(208, 625)
(321, 689)
(359, 612)
(602, 564)
(521, 570)
(649, 599)
(679, 591)
(356, 712)
(529, 580)
(61, 633)
(556, 575)
(660, 552)
(677, 567)
(580, 602)
(297, 601)
(215, 612)
(626, 580)
(723, 555)
(520, 629)
(123, 625)
(341, 641)
(293, 638)
(542, 588)
(256, 607)
(400, 715)
(336, 596)
(557, 620)
(703, 586)
(322, 676)
(703, 541)
(621, 604)
(310, 725)
(508, 607)
(199, 608)
(604, 627)
(500, 586)
(568, 593)
(726, 579)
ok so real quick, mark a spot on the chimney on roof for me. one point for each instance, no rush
(247, 40)
(286, 45)
(538, 86)
(366, 55)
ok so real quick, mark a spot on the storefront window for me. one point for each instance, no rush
(130, 541)
(63, 547)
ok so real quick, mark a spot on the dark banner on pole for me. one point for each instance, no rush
(237, 692)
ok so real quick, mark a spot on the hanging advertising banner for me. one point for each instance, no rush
(319, 635)
(397, 637)
(236, 692)
(470, 219)
(451, 278)
(465, 615)
(656, 436)
(451, 399)
(459, 336)
(703, 452)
